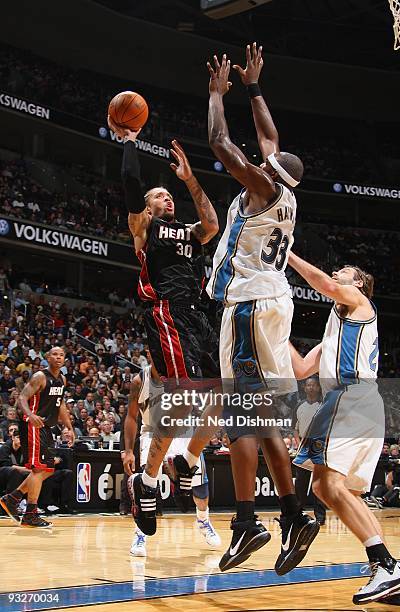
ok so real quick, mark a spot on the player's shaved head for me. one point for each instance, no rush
(284, 164)
(292, 164)
(54, 349)
(56, 356)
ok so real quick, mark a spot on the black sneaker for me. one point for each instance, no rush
(143, 504)
(248, 536)
(10, 505)
(298, 533)
(391, 600)
(384, 581)
(33, 519)
(183, 482)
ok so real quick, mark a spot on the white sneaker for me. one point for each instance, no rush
(138, 548)
(384, 580)
(207, 530)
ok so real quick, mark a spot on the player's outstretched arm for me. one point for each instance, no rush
(349, 295)
(303, 367)
(138, 215)
(250, 176)
(208, 225)
(36, 384)
(130, 426)
(267, 134)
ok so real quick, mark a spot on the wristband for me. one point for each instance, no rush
(254, 90)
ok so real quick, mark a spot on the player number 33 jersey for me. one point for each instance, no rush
(252, 255)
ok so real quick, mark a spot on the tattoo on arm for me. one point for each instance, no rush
(33, 386)
(208, 217)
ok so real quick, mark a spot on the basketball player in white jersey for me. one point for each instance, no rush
(344, 441)
(249, 277)
(145, 398)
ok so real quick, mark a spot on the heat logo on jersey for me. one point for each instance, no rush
(83, 479)
(56, 390)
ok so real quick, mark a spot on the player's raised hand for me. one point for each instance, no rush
(124, 133)
(182, 169)
(254, 64)
(219, 75)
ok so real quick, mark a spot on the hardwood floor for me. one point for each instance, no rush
(85, 560)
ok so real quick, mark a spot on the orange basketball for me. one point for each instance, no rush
(129, 109)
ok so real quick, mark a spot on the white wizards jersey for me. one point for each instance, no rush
(350, 351)
(149, 397)
(251, 257)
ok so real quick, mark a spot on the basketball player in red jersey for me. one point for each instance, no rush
(42, 404)
(179, 336)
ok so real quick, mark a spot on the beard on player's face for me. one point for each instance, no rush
(167, 215)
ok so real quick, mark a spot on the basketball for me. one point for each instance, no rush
(129, 109)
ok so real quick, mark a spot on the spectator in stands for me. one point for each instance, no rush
(77, 430)
(11, 418)
(21, 380)
(12, 470)
(88, 425)
(65, 438)
(94, 432)
(89, 403)
(106, 429)
(7, 382)
(394, 451)
(26, 365)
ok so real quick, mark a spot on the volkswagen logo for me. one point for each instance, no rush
(4, 227)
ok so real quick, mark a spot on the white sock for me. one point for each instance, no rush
(149, 481)
(140, 533)
(190, 458)
(373, 541)
(202, 515)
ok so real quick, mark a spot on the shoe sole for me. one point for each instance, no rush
(136, 554)
(391, 600)
(304, 540)
(12, 516)
(390, 591)
(137, 520)
(254, 544)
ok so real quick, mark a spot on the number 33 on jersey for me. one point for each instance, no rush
(252, 255)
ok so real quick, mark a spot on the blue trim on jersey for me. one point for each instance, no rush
(225, 273)
(348, 352)
(315, 442)
(244, 360)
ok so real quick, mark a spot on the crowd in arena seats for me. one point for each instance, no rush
(374, 251)
(104, 351)
(86, 95)
(95, 210)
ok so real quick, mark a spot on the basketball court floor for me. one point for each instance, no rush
(84, 561)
